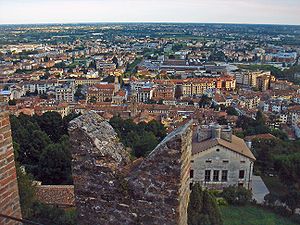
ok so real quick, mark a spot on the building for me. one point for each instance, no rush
(220, 159)
(259, 79)
(145, 94)
(164, 92)
(65, 93)
(102, 92)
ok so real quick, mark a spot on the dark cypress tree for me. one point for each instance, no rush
(210, 208)
(203, 209)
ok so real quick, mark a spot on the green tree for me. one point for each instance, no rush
(202, 208)
(55, 165)
(12, 102)
(292, 199)
(26, 192)
(210, 208)
(145, 145)
(51, 123)
(237, 195)
(232, 111)
(222, 120)
(205, 101)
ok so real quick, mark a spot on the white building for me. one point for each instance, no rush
(145, 94)
(220, 159)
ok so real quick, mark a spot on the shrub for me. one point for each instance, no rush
(237, 195)
(222, 202)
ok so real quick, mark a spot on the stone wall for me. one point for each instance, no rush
(9, 194)
(111, 189)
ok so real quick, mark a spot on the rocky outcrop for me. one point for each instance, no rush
(110, 189)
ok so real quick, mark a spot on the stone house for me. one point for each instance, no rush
(220, 159)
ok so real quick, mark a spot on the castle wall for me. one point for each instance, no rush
(111, 189)
(9, 193)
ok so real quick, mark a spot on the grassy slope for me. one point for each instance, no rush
(250, 215)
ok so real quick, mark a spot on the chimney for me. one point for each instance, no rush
(216, 131)
(249, 144)
(203, 133)
(226, 134)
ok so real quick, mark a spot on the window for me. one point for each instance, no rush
(243, 161)
(191, 173)
(218, 150)
(216, 175)
(225, 161)
(209, 161)
(242, 174)
(224, 175)
(207, 175)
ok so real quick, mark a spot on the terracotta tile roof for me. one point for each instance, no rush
(237, 145)
(61, 195)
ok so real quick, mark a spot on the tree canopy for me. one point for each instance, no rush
(142, 138)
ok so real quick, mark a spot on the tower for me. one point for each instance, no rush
(117, 84)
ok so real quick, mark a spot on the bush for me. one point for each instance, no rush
(296, 218)
(237, 195)
(222, 202)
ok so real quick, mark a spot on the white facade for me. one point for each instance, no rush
(225, 168)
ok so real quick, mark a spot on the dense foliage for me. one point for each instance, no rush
(142, 138)
(203, 208)
(237, 195)
(42, 146)
(258, 125)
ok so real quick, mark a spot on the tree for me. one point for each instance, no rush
(222, 120)
(115, 61)
(210, 208)
(93, 65)
(292, 199)
(178, 92)
(202, 208)
(232, 111)
(205, 101)
(145, 145)
(26, 192)
(195, 205)
(156, 128)
(142, 138)
(51, 123)
(78, 94)
(12, 102)
(288, 167)
(237, 195)
(55, 165)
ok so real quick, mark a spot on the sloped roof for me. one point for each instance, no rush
(62, 195)
(237, 145)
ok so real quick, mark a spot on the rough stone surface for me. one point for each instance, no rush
(9, 193)
(112, 190)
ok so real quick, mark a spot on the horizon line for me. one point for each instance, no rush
(148, 22)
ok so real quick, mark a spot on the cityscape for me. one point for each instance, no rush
(149, 123)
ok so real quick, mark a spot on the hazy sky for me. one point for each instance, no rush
(211, 11)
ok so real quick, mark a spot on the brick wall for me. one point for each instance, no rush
(9, 194)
